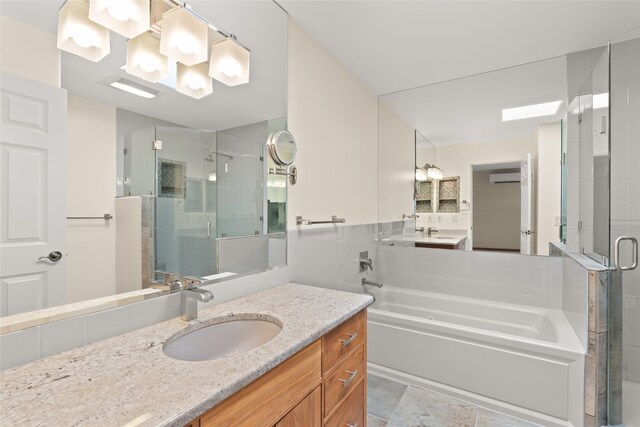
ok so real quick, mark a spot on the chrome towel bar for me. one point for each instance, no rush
(106, 217)
(334, 219)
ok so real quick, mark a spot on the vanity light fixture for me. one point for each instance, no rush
(429, 172)
(229, 62)
(184, 36)
(421, 174)
(144, 59)
(434, 172)
(530, 111)
(79, 35)
(129, 18)
(194, 81)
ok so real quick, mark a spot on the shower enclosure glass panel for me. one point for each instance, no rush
(185, 205)
(624, 286)
(592, 110)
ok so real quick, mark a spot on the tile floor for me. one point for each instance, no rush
(392, 404)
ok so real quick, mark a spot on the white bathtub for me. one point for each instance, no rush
(522, 360)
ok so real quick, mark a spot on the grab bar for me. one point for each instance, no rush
(334, 219)
(106, 217)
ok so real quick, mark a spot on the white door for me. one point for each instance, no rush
(526, 208)
(33, 127)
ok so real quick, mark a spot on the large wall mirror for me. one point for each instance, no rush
(488, 158)
(183, 182)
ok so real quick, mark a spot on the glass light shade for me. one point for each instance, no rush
(421, 174)
(144, 59)
(229, 63)
(194, 81)
(435, 172)
(184, 37)
(127, 17)
(79, 35)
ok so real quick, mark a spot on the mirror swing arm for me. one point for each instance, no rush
(282, 149)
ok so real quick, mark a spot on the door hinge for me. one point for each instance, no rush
(580, 225)
(579, 117)
(564, 159)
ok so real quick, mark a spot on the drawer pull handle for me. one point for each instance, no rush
(349, 340)
(345, 383)
(352, 425)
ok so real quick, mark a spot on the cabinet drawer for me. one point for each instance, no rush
(343, 379)
(272, 396)
(342, 340)
(351, 412)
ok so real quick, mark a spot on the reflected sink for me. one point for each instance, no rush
(221, 339)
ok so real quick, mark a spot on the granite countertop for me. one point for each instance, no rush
(128, 380)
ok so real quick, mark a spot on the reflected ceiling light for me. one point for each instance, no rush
(144, 59)
(212, 176)
(530, 111)
(600, 100)
(229, 62)
(194, 81)
(126, 17)
(184, 37)
(79, 35)
(133, 89)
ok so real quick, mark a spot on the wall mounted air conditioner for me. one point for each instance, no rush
(503, 178)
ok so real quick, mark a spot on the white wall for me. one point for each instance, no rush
(29, 52)
(548, 186)
(396, 152)
(91, 190)
(334, 119)
(456, 160)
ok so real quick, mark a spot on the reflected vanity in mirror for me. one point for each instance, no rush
(184, 180)
(488, 159)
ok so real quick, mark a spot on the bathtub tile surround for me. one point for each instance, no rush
(328, 256)
(420, 407)
(511, 278)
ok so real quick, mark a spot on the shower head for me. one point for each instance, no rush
(210, 158)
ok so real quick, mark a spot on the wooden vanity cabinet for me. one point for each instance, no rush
(323, 384)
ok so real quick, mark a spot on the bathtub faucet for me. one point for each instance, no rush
(366, 282)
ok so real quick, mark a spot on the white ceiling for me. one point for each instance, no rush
(260, 25)
(394, 46)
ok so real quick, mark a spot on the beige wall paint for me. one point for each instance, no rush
(548, 185)
(396, 151)
(29, 52)
(91, 191)
(333, 117)
(496, 213)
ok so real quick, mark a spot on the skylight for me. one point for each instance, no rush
(530, 111)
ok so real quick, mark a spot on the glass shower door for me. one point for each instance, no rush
(624, 284)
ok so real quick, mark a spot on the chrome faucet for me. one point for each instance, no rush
(189, 297)
(365, 262)
(431, 230)
(172, 280)
(366, 282)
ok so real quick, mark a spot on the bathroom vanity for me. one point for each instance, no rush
(312, 373)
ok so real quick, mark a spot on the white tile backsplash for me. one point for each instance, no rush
(56, 337)
(19, 347)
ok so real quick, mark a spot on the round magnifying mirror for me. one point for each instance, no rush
(282, 147)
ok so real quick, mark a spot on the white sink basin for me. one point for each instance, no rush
(221, 339)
